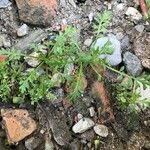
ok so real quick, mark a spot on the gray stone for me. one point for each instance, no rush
(139, 28)
(4, 3)
(101, 130)
(133, 13)
(115, 58)
(133, 64)
(88, 42)
(49, 144)
(32, 143)
(36, 36)
(83, 125)
(92, 111)
(58, 125)
(23, 30)
(6, 43)
(72, 3)
(32, 59)
(125, 42)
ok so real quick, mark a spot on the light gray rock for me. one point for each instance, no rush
(4, 3)
(125, 42)
(133, 13)
(23, 30)
(72, 3)
(83, 125)
(88, 42)
(24, 44)
(32, 59)
(92, 111)
(115, 58)
(101, 130)
(132, 63)
(32, 143)
(49, 144)
(139, 28)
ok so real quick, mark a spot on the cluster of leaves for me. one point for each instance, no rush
(63, 52)
(128, 92)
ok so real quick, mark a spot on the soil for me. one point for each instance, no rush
(128, 132)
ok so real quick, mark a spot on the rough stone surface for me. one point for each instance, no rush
(139, 28)
(83, 125)
(4, 3)
(133, 13)
(58, 126)
(101, 130)
(114, 58)
(17, 124)
(35, 37)
(32, 59)
(23, 30)
(142, 49)
(36, 11)
(133, 64)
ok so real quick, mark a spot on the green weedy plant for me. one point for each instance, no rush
(17, 84)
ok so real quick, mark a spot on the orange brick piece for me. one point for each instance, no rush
(17, 124)
(37, 12)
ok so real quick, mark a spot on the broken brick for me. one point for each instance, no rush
(17, 124)
(37, 12)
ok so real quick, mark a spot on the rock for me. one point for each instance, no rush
(72, 3)
(57, 79)
(92, 111)
(120, 7)
(4, 42)
(114, 58)
(88, 42)
(83, 125)
(37, 12)
(133, 64)
(91, 16)
(101, 130)
(32, 59)
(23, 30)
(142, 49)
(125, 43)
(33, 142)
(139, 28)
(49, 144)
(4, 3)
(58, 125)
(17, 124)
(145, 93)
(133, 13)
(24, 44)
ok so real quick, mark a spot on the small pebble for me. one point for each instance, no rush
(133, 64)
(23, 30)
(101, 130)
(133, 13)
(83, 125)
(139, 28)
